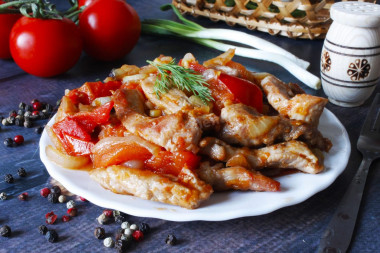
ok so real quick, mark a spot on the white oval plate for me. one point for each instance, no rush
(295, 188)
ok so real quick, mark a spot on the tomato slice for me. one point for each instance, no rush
(78, 147)
(166, 162)
(89, 91)
(244, 91)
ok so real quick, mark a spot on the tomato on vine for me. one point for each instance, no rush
(110, 29)
(6, 23)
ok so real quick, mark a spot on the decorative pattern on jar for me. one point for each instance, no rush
(350, 59)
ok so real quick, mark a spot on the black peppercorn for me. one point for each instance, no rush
(120, 219)
(42, 229)
(21, 172)
(56, 190)
(19, 121)
(28, 108)
(20, 112)
(171, 240)
(5, 231)
(8, 142)
(48, 108)
(39, 130)
(121, 245)
(42, 115)
(28, 123)
(22, 106)
(53, 198)
(51, 236)
(143, 227)
(9, 179)
(99, 233)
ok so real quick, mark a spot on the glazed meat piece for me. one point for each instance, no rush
(243, 125)
(236, 178)
(171, 102)
(187, 190)
(303, 107)
(286, 155)
(174, 132)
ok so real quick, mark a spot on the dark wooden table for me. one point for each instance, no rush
(292, 229)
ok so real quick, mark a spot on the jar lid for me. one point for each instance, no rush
(357, 14)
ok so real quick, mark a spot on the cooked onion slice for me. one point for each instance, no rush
(64, 160)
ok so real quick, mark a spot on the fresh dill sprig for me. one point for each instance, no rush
(173, 75)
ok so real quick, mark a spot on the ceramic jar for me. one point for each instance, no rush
(350, 60)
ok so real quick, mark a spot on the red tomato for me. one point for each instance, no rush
(244, 91)
(45, 47)
(110, 29)
(6, 23)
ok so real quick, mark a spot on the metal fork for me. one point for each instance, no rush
(338, 234)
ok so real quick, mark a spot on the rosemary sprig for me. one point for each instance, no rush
(173, 75)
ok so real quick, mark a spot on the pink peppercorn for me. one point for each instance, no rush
(108, 213)
(72, 212)
(18, 139)
(83, 199)
(34, 113)
(50, 217)
(65, 218)
(45, 192)
(23, 196)
(138, 235)
(37, 106)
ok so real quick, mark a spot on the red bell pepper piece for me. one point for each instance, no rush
(92, 90)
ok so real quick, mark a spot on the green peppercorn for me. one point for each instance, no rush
(21, 172)
(171, 240)
(5, 231)
(99, 233)
(42, 229)
(9, 179)
(51, 236)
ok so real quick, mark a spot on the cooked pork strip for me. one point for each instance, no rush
(243, 125)
(187, 191)
(237, 178)
(170, 102)
(303, 107)
(286, 155)
(174, 132)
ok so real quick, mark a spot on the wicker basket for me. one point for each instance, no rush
(306, 19)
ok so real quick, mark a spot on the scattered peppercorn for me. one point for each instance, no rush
(28, 123)
(50, 217)
(120, 219)
(171, 240)
(134, 227)
(72, 212)
(65, 218)
(34, 100)
(22, 106)
(121, 245)
(102, 219)
(119, 234)
(108, 213)
(20, 112)
(5, 231)
(12, 113)
(39, 130)
(28, 108)
(18, 139)
(8, 142)
(44, 192)
(21, 172)
(62, 199)
(56, 189)
(99, 233)
(138, 235)
(37, 106)
(3, 196)
(143, 227)
(48, 108)
(128, 232)
(83, 199)
(9, 179)
(19, 121)
(127, 238)
(108, 242)
(42, 229)
(125, 225)
(51, 236)
(27, 114)
(23, 196)
(53, 198)
(4, 122)
(71, 204)
(11, 120)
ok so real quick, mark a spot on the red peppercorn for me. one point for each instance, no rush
(18, 139)
(65, 218)
(50, 217)
(37, 106)
(35, 113)
(83, 199)
(72, 212)
(45, 192)
(138, 235)
(108, 213)
(13, 114)
(23, 196)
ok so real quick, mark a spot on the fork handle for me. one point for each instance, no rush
(338, 234)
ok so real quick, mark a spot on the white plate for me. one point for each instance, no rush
(295, 188)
